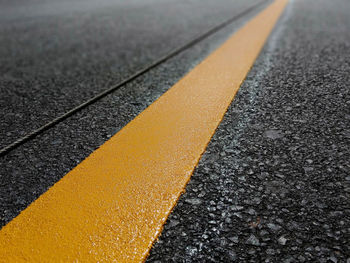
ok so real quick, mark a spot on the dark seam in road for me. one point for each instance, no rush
(166, 57)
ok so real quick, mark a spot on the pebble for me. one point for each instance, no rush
(193, 201)
(232, 255)
(236, 208)
(253, 240)
(282, 240)
(273, 227)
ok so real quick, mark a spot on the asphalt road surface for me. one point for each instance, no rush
(57, 54)
(274, 182)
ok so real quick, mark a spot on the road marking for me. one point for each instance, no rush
(122, 83)
(112, 206)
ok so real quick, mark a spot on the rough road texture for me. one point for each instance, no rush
(28, 171)
(55, 55)
(274, 183)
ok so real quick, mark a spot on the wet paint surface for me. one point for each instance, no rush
(112, 206)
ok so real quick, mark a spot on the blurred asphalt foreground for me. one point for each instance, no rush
(274, 182)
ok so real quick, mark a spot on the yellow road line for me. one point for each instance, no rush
(112, 206)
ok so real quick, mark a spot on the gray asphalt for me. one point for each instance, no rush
(274, 183)
(54, 55)
(32, 168)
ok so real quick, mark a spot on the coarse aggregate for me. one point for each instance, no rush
(274, 182)
(31, 169)
(55, 55)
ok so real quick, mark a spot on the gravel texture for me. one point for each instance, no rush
(54, 55)
(274, 183)
(28, 171)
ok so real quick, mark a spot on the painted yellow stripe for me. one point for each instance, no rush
(112, 206)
